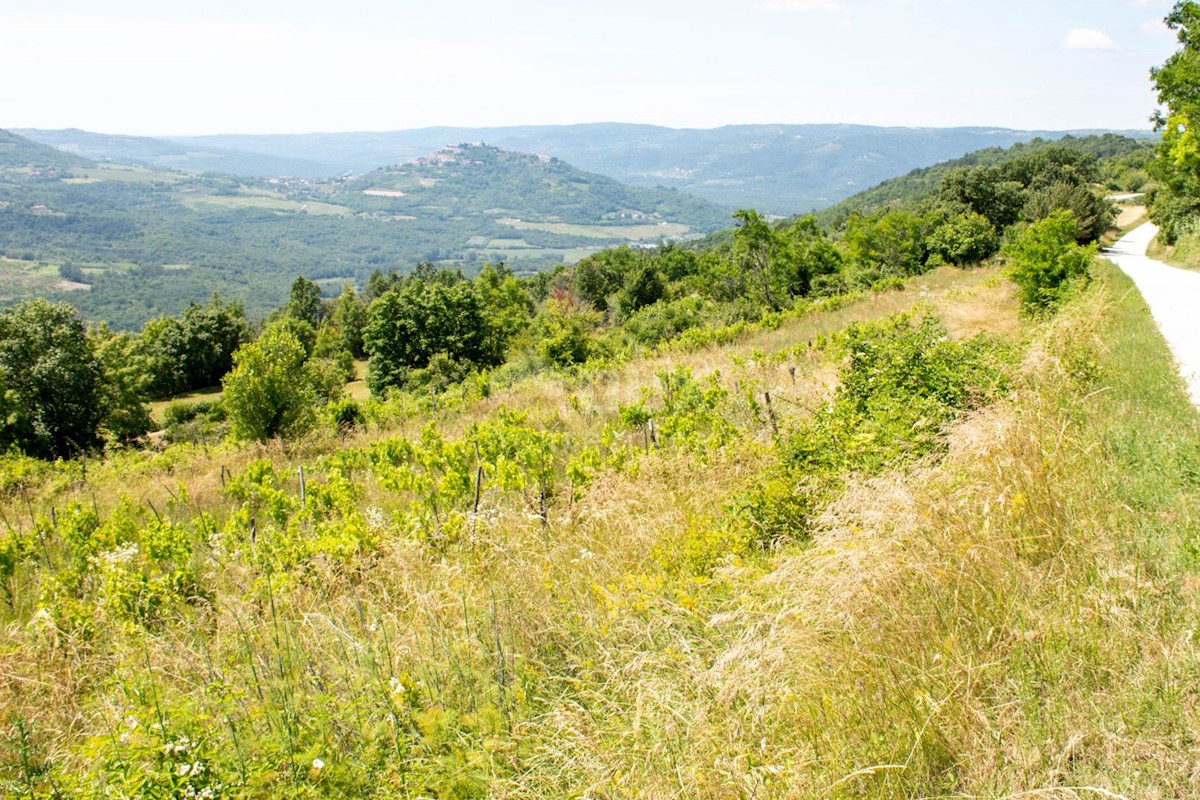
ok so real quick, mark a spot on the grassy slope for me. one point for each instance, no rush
(1184, 253)
(1014, 617)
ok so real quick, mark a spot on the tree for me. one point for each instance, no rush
(506, 308)
(808, 255)
(1177, 203)
(349, 317)
(126, 379)
(304, 301)
(1093, 214)
(562, 332)
(270, 391)
(194, 350)
(644, 286)
(52, 381)
(967, 238)
(1044, 259)
(753, 242)
(598, 276)
(987, 191)
(408, 325)
(890, 243)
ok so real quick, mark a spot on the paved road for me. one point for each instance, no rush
(1173, 296)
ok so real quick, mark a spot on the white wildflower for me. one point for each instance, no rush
(121, 555)
(374, 516)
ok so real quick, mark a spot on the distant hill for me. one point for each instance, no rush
(19, 152)
(1115, 152)
(483, 180)
(167, 154)
(778, 169)
(148, 241)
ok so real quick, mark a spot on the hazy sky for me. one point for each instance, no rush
(262, 66)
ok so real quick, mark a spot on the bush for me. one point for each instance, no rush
(271, 391)
(563, 334)
(662, 321)
(345, 414)
(903, 380)
(1044, 260)
(966, 239)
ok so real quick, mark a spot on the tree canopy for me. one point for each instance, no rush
(1177, 204)
(52, 381)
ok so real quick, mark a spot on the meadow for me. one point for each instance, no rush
(784, 564)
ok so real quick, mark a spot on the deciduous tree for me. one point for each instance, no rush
(52, 381)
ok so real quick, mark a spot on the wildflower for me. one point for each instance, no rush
(318, 764)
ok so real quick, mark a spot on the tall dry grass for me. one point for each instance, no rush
(1011, 620)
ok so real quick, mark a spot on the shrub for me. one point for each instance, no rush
(345, 414)
(902, 381)
(965, 239)
(662, 321)
(270, 391)
(1045, 260)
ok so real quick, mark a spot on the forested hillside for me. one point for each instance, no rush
(123, 244)
(436, 326)
(1124, 165)
(778, 169)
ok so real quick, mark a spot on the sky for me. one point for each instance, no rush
(148, 67)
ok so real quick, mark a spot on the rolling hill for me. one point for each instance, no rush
(150, 241)
(778, 169)
(170, 155)
(1116, 153)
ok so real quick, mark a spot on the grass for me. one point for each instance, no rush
(124, 173)
(651, 232)
(1184, 253)
(1009, 618)
(264, 201)
(159, 406)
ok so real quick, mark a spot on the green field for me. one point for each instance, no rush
(264, 201)
(120, 172)
(651, 232)
(569, 255)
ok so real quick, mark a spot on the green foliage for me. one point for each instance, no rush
(348, 319)
(304, 302)
(1176, 205)
(561, 332)
(644, 286)
(506, 308)
(902, 381)
(180, 411)
(967, 238)
(666, 320)
(271, 392)
(891, 243)
(597, 277)
(1045, 260)
(755, 254)
(412, 323)
(303, 331)
(1093, 214)
(345, 414)
(983, 192)
(126, 383)
(194, 350)
(53, 383)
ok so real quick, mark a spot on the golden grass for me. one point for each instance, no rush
(1000, 622)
